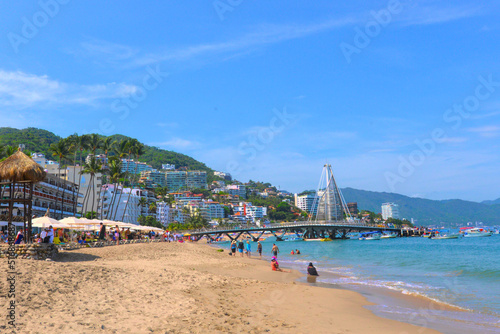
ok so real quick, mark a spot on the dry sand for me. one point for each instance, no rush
(179, 288)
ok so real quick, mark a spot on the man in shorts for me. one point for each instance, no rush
(275, 250)
(259, 249)
(241, 246)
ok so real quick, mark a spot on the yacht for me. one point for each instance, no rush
(477, 232)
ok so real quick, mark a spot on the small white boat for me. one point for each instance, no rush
(477, 232)
(446, 236)
(387, 236)
(313, 239)
(370, 236)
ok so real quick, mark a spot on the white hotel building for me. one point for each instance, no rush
(390, 210)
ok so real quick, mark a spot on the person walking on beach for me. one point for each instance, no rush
(117, 235)
(275, 250)
(249, 249)
(241, 247)
(259, 249)
(233, 248)
(102, 232)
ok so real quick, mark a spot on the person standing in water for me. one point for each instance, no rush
(233, 248)
(249, 249)
(275, 250)
(259, 249)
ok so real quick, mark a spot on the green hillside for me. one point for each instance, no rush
(426, 211)
(38, 140)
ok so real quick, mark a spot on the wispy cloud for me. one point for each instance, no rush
(488, 131)
(262, 35)
(177, 144)
(422, 14)
(20, 90)
(453, 140)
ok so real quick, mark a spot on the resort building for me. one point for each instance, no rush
(179, 180)
(390, 210)
(306, 202)
(134, 167)
(153, 179)
(353, 208)
(167, 167)
(91, 189)
(236, 189)
(225, 176)
(101, 158)
(114, 203)
(248, 211)
(163, 213)
(55, 195)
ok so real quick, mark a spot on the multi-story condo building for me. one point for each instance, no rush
(167, 167)
(163, 213)
(114, 203)
(224, 175)
(101, 158)
(153, 179)
(134, 167)
(56, 195)
(390, 210)
(90, 191)
(307, 202)
(248, 211)
(236, 189)
(182, 180)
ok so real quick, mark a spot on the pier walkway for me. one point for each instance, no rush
(309, 230)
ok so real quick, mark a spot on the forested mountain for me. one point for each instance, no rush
(426, 211)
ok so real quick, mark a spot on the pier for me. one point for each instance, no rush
(308, 230)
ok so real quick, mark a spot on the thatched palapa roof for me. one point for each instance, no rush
(20, 167)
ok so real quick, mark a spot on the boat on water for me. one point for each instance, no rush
(388, 236)
(445, 234)
(370, 236)
(326, 239)
(293, 239)
(313, 239)
(477, 232)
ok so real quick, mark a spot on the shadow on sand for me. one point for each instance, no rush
(75, 257)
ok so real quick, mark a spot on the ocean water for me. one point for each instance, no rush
(464, 273)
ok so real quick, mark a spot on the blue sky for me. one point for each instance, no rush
(272, 90)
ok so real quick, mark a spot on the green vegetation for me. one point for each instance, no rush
(149, 221)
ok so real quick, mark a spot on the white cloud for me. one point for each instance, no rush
(20, 90)
(432, 14)
(177, 144)
(487, 131)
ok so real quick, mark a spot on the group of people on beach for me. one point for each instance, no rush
(241, 247)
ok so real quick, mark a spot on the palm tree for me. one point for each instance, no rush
(61, 151)
(72, 141)
(94, 142)
(80, 143)
(106, 145)
(115, 174)
(152, 207)
(10, 150)
(93, 167)
(137, 149)
(121, 150)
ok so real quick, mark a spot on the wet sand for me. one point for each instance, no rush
(180, 288)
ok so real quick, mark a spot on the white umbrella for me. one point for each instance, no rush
(46, 222)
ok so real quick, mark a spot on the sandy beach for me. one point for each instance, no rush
(180, 288)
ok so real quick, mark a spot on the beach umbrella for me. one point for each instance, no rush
(20, 167)
(45, 222)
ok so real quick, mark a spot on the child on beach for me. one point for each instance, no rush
(249, 249)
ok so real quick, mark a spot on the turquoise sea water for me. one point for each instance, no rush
(461, 272)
